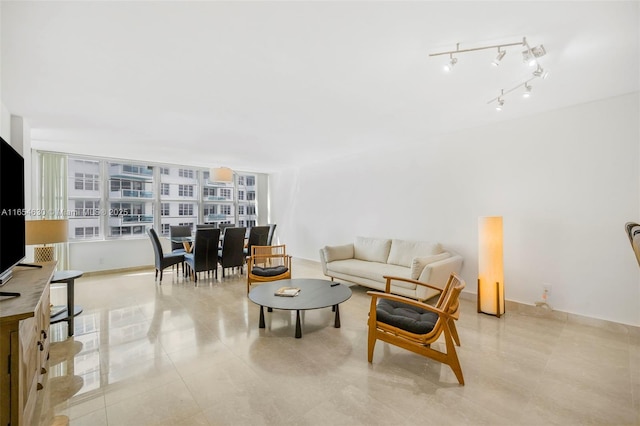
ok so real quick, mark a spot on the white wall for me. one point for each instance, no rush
(565, 182)
(91, 256)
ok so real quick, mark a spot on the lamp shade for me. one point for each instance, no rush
(221, 174)
(490, 266)
(46, 231)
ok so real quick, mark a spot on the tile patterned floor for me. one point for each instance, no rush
(179, 354)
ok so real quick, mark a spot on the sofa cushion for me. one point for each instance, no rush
(419, 263)
(403, 252)
(370, 270)
(372, 249)
(332, 253)
(406, 317)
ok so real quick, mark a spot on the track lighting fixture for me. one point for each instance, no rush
(452, 62)
(539, 72)
(498, 58)
(530, 56)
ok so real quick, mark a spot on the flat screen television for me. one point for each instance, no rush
(12, 210)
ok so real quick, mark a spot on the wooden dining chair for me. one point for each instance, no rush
(416, 326)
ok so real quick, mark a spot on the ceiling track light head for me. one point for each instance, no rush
(452, 62)
(498, 58)
(527, 90)
(532, 54)
(500, 104)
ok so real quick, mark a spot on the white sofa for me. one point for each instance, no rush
(368, 260)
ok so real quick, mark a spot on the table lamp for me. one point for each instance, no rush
(45, 232)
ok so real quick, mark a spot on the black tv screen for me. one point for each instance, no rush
(12, 209)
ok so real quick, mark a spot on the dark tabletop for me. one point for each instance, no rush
(314, 294)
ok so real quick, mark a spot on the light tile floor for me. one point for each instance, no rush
(179, 354)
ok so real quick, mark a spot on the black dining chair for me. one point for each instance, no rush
(179, 231)
(258, 236)
(232, 252)
(272, 230)
(162, 261)
(204, 256)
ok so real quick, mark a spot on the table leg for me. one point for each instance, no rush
(337, 321)
(261, 325)
(70, 307)
(298, 327)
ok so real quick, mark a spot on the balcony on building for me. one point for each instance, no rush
(130, 219)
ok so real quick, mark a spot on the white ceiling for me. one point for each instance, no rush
(266, 85)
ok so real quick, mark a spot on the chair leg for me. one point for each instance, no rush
(452, 356)
(454, 332)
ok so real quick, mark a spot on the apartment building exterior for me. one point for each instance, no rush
(116, 199)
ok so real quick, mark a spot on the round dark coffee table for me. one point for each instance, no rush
(314, 294)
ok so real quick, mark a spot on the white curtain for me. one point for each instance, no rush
(53, 196)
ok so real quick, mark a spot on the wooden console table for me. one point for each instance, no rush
(24, 343)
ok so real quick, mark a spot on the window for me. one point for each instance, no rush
(185, 190)
(87, 232)
(85, 208)
(86, 181)
(135, 197)
(185, 209)
(185, 173)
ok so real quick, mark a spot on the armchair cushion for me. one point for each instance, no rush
(270, 271)
(418, 264)
(406, 317)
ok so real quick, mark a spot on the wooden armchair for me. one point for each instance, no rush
(414, 325)
(268, 263)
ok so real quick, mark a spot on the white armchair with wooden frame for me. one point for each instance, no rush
(268, 263)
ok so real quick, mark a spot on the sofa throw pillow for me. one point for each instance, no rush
(332, 253)
(372, 249)
(419, 263)
(404, 251)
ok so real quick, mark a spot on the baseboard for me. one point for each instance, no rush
(537, 311)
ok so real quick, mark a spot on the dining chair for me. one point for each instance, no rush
(272, 230)
(258, 236)
(231, 254)
(179, 231)
(162, 261)
(204, 256)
